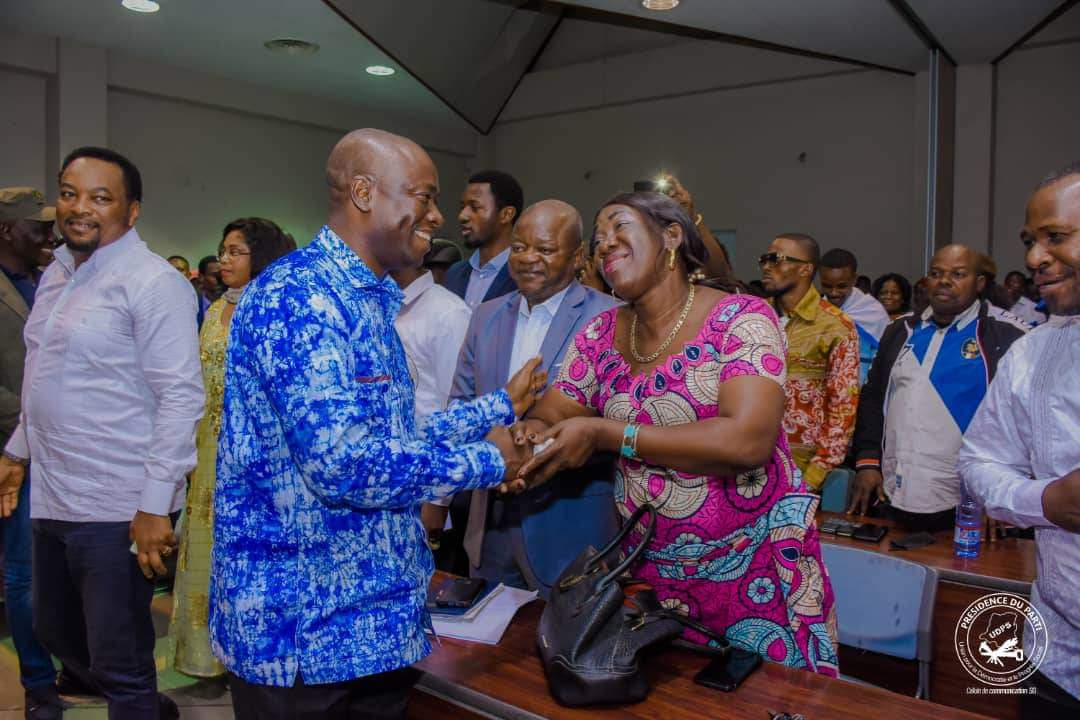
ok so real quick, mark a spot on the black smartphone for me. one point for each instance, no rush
(870, 532)
(459, 592)
(830, 526)
(846, 528)
(726, 673)
(645, 186)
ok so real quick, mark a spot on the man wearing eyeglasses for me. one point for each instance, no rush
(822, 385)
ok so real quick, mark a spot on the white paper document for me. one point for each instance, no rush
(488, 624)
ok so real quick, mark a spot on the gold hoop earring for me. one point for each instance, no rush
(671, 259)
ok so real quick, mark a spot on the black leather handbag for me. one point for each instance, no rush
(593, 630)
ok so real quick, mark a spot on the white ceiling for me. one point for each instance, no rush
(867, 30)
(472, 53)
(225, 38)
(871, 31)
(977, 31)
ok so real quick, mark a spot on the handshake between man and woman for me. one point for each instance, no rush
(555, 436)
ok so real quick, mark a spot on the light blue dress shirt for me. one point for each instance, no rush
(482, 277)
(531, 329)
(320, 563)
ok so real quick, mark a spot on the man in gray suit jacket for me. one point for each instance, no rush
(527, 540)
(26, 243)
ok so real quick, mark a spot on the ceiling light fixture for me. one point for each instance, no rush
(660, 4)
(291, 46)
(141, 6)
(380, 70)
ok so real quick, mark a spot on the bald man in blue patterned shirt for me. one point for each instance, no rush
(320, 561)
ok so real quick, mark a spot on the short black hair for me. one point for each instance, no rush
(132, 177)
(178, 257)
(504, 188)
(839, 258)
(1072, 168)
(266, 241)
(808, 244)
(902, 283)
(205, 262)
(1016, 273)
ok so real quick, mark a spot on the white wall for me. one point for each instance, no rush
(582, 133)
(204, 166)
(209, 149)
(22, 129)
(1038, 105)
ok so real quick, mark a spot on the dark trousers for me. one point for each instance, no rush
(1049, 702)
(379, 697)
(502, 556)
(35, 666)
(92, 611)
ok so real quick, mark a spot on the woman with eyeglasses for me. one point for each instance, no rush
(685, 383)
(893, 291)
(248, 246)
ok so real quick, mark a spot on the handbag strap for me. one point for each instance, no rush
(630, 559)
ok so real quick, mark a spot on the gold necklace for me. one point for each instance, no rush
(670, 338)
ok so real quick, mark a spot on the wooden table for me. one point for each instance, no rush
(470, 680)
(1004, 565)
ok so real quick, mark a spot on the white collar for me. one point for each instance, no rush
(960, 321)
(105, 254)
(417, 287)
(550, 306)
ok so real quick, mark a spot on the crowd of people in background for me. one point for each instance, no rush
(335, 421)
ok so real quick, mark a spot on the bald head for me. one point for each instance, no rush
(368, 152)
(545, 249)
(953, 282)
(383, 193)
(556, 217)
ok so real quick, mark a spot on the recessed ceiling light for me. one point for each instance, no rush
(380, 70)
(291, 46)
(143, 6)
(660, 4)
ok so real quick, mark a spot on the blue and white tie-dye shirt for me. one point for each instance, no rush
(320, 562)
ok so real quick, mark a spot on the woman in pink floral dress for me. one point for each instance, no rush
(686, 383)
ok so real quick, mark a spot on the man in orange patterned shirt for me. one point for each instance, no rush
(822, 386)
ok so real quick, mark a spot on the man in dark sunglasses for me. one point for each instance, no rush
(822, 385)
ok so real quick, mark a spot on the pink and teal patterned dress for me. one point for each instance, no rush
(738, 553)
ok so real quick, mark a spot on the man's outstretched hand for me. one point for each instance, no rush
(527, 385)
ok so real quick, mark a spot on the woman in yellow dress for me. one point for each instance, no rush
(247, 247)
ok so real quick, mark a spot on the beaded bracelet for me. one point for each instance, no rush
(629, 441)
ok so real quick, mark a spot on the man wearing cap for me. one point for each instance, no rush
(26, 244)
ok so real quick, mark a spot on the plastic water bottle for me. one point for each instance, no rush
(967, 540)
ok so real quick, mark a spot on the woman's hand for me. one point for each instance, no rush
(526, 385)
(572, 443)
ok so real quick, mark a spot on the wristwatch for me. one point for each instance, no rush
(16, 459)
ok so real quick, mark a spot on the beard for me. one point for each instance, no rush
(777, 290)
(83, 246)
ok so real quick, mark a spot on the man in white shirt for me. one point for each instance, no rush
(431, 324)
(837, 274)
(111, 394)
(490, 206)
(1021, 457)
(528, 539)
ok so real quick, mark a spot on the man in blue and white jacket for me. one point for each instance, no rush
(929, 376)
